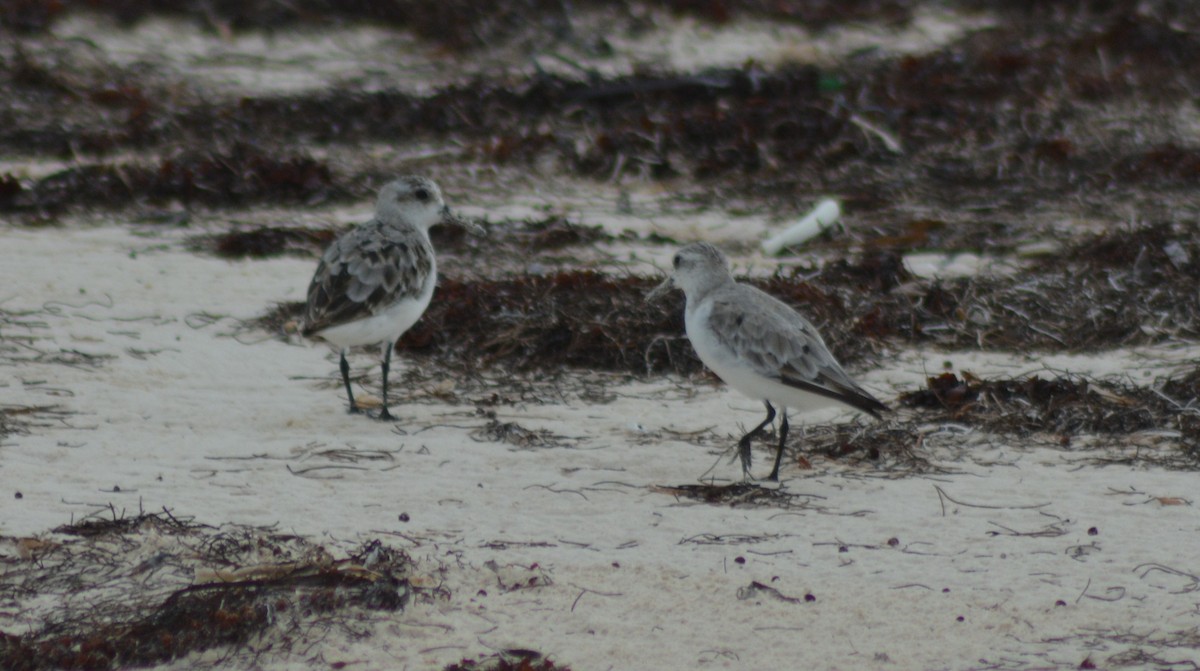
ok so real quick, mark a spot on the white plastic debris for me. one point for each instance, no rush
(820, 219)
(1177, 254)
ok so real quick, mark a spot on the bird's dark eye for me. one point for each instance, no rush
(421, 194)
(677, 260)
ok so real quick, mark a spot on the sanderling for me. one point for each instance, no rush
(375, 281)
(758, 345)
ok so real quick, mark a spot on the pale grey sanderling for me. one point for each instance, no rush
(758, 345)
(375, 281)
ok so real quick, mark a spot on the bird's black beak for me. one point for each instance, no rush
(661, 289)
(454, 219)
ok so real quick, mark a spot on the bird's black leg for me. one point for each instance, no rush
(346, 379)
(387, 363)
(783, 431)
(744, 443)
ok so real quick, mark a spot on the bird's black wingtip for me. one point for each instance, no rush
(865, 403)
(877, 408)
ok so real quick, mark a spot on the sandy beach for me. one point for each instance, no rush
(158, 435)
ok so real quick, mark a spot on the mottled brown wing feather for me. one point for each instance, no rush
(364, 271)
(781, 344)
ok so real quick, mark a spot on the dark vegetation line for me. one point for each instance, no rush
(999, 117)
(456, 24)
(1118, 289)
(599, 322)
(1065, 405)
(594, 321)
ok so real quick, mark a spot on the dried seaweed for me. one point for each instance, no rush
(265, 242)
(590, 320)
(1155, 252)
(513, 433)
(745, 494)
(1062, 411)
(508, 660)
(522, 237)
(579, 318)
(1064, 406)
(891, 448)
(241, 175)
(117, 603)
(541, 235)
(453, 23)
(814, 14)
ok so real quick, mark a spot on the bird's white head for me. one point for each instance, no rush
(417, 201)
(699, 268)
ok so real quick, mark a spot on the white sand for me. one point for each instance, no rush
(639, 579)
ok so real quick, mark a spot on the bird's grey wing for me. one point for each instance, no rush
(779, 343)
(365, 271)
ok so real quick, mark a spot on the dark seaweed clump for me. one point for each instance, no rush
(266, 241)
(508, 660)
(159, 616)
(1063, 405)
